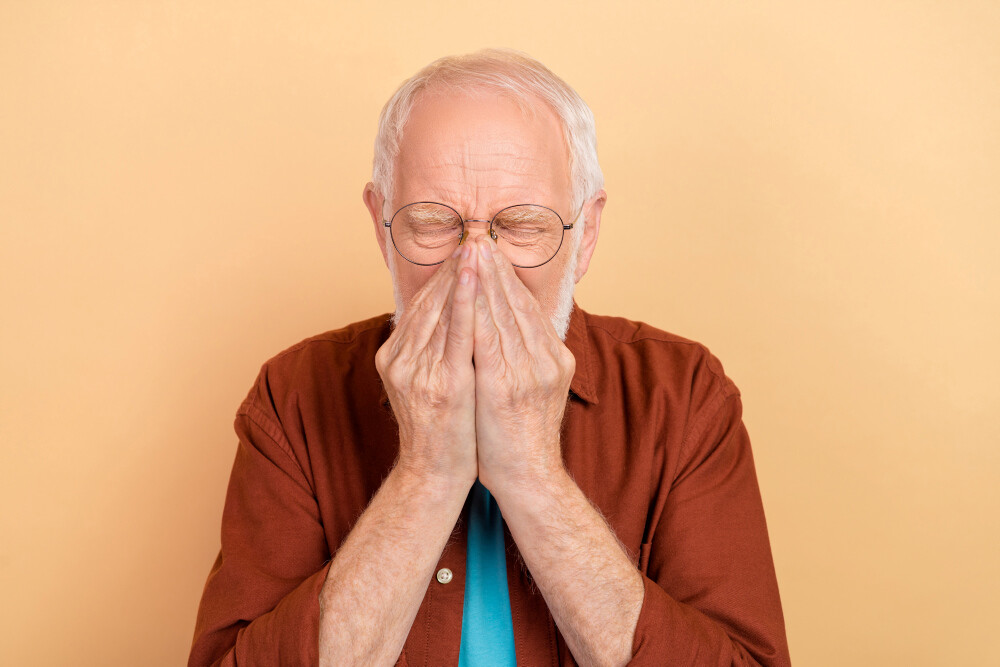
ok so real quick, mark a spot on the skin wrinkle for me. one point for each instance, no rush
(514, 156)
(511, 303)
(501, 151)
(455, 192)
(449, 179)
(516, 169)
(567, 285)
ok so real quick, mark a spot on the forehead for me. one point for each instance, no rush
(481, 149)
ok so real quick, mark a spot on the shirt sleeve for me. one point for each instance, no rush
(260, 605)
(711, 594)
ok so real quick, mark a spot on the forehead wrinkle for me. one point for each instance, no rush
(481, 167)
(476, 192)
(475, 202)
(505, 162)
(495, 170)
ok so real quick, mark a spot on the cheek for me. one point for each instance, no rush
(411, 278)
(543, 282)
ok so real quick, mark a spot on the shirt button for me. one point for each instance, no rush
(444, 575)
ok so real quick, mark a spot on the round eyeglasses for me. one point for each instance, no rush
(426, 233)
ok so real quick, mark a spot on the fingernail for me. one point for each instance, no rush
(485, 250)
(466, 251)
(457, 251)
(463, 278)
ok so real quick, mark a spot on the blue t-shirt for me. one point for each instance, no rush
(487, 629)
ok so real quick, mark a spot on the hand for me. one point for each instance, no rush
(523, 373)
(426, 367)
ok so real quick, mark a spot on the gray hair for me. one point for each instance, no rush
(507, 71)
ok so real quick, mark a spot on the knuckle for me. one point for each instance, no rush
(548, 365)
(381, 360)
(568, 360)
(551, 374)
(395, 375)
(438, 393)
(436, 400)
(423, 308)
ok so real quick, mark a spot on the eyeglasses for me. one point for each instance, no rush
(426, 233)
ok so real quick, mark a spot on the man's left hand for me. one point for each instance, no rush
(523, 374)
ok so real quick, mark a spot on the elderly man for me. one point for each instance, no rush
(491, 476)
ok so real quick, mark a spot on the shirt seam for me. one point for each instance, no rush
(714, 411)
(659, 340)
(255, 415)
(596, 325)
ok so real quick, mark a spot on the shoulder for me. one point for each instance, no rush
(318, 362)
(663, 364)
(353, 339)
(627, 331)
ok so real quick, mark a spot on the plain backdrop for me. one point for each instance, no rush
(810, 189)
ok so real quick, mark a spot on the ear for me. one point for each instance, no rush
(373, 202)
(591, 228)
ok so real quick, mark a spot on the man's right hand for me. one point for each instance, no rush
(380, 573)
(426, 367)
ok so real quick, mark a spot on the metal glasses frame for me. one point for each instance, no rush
(465, 234)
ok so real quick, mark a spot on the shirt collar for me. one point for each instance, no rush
(582, 384)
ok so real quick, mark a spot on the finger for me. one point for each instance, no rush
(441, 274)
(439, 338)
(435, 344)
(500, 311)
(424, 310)
(531, 321)
(487, 350)
(462, 326)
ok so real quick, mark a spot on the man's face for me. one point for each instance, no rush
(478, 154)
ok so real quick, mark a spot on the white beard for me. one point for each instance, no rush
(390, 253)
(567, 286)
(564, 298)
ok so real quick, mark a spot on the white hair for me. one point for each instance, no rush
(510, 72)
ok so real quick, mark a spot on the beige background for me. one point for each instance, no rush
(810, 189)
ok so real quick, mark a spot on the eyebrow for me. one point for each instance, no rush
(430, 214)
(525, 215)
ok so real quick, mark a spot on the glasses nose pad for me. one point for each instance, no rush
(493, 234)
(462, 238)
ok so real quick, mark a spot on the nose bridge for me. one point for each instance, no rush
(477, 226)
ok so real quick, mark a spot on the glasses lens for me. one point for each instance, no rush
(528, 235)
(425, 232)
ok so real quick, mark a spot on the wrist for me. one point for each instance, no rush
(527, 485)
(437, 485)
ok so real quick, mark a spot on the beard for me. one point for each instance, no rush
(567, 286)
(559, 317)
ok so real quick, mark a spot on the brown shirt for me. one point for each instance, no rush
(653, 435)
